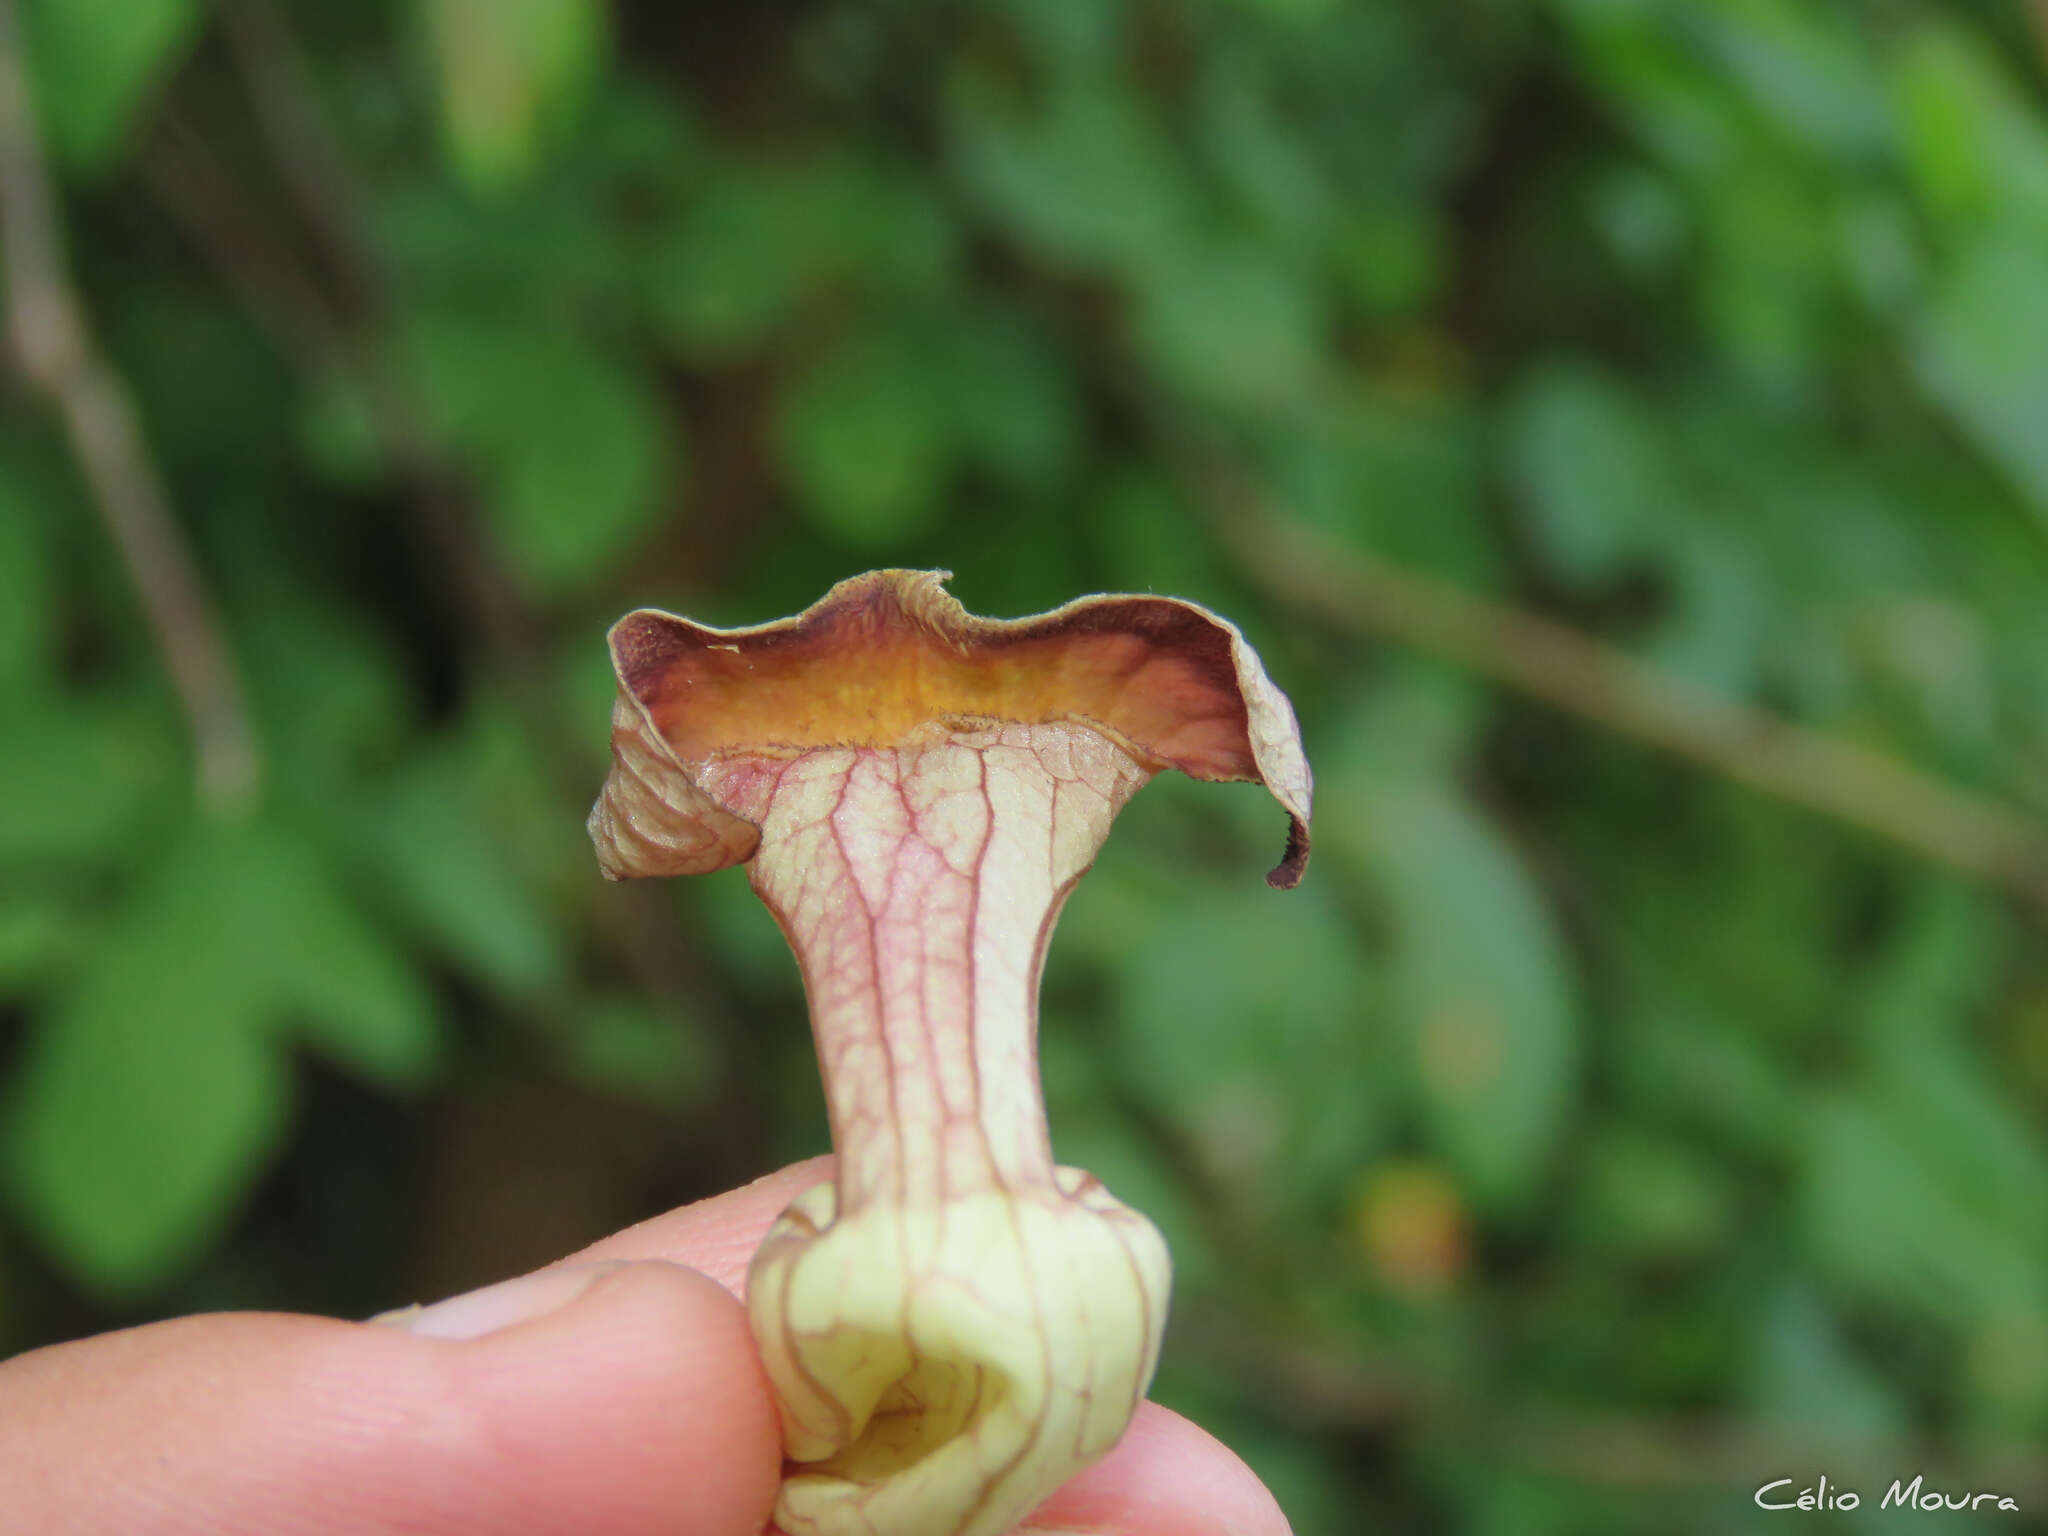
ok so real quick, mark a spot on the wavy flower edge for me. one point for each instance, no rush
(1174, 684)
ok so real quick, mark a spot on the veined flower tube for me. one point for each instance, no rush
(956, 1324)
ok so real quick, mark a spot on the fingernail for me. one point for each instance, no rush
(476, 1313)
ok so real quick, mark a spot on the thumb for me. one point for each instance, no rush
(612, 1399)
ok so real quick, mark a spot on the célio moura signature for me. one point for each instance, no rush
(1779, 1495)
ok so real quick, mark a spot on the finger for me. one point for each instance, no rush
(614, 1401)
(717, 1236)
(1166, 1477)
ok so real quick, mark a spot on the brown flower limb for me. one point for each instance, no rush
(1349, 588)
(58, 355)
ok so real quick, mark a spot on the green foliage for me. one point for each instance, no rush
(512, 75)
(1595, 472)
(1246, 1020)
(548, 422)
(864, 438)
(1482, 993)
(1984, 354)
(151, 1096)
(1579, 1085)
(94, 61)
(426, 837)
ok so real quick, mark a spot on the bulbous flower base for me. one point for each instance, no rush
(955, 1360)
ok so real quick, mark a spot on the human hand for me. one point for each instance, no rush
(615, 1393)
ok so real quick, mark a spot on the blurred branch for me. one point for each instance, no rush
(1354, 590)
(1326, 1389)
(322, 187)
(59, 357)
(193, 186)
(350, 338)
(315, 172)
(186, 180)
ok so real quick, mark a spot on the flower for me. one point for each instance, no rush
(955, 1325)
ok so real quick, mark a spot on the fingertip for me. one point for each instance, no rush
(639, 1406)
(718, 1235)
(1166, 1477)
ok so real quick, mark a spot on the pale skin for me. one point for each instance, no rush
(629, 1400)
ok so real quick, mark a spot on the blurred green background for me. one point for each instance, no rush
(1622, 426)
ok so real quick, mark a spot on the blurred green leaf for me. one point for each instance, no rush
(1681, 1062)
(1273, 170)
(748, 249)
(577, 240)
(1803, 1373)
(1417, 721)
(1975, 145)
(570, 440)
(445, 872)
(148, 1099)
(1230, 323)
(1808, 69)
(1481, 984)
(338, 430)
(575, 496)
(342, 984)
(1649, 1197)
(761, 237)
(1302, 10)
(1994, 1164)
(153, 1093)
(1014, 400)
(1935, 972)
(1983, 355)
(1722, 610)
(1390, 262)
(514, 75)
(1399, 476)
(1087, 178)
(1887, 1211)
(93, 61)
(329, 691)
(741, 931)
(41, 935)
(1248, 1018)
(636, 1052)
(866, 437)
(82, 775)
(1147, 536)
(1660, 80)
(1770, 277)
(1599, 483)
(29, 587)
